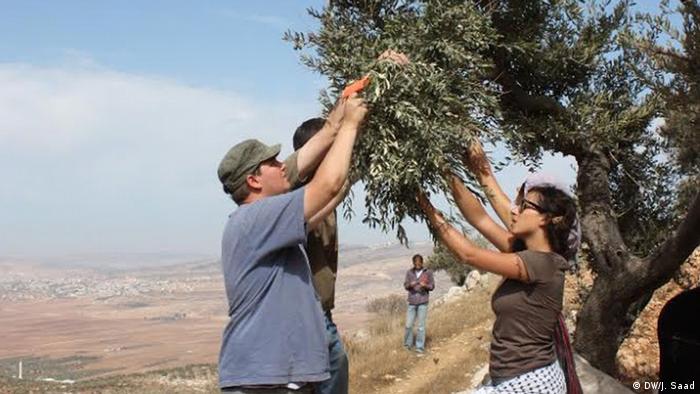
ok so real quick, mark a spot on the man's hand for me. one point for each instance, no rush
(393, 56)
(335, 117)
(332, 173)
(354, 111)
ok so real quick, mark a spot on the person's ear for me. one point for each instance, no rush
(253, 182)
(557, 220)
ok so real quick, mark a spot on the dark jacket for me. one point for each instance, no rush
(418, 294)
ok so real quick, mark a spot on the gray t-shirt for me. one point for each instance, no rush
(276, 334)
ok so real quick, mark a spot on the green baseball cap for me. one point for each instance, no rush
(241, 160)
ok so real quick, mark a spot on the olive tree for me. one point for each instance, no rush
(539, 76)
(424, 114)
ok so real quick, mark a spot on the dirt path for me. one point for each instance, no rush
(449, 364)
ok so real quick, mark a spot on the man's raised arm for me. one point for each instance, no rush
(332, 173)
(310, 155)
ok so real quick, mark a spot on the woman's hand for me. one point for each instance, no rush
(435, 219)
(425, 205)
(475, 159)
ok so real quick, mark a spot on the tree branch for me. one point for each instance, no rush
(665, 260)
(515, 96)
(530, 104)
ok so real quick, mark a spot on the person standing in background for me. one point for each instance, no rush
(419, 283)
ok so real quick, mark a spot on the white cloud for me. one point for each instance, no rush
(270, 20)
(273, 21)
(94, 159)
(61, 110)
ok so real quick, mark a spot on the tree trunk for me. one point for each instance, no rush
(602, 325)
(602, 322)
(624, 282)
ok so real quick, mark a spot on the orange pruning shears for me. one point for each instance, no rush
(356, 86)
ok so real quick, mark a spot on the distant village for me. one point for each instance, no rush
(96, 286)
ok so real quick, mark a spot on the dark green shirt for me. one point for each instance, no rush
(321, 246)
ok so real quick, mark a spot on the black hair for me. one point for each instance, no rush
(518, 244)
(561, 210)
(417, 257)
(307, 130)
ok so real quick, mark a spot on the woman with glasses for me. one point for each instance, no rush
(533, 252)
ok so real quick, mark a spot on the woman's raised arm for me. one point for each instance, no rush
(508, 265)
(476, 215)
(475, 159)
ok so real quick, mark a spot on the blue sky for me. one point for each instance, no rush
(222, 45)
(113, 119)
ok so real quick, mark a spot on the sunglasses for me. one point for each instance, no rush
(525, 204)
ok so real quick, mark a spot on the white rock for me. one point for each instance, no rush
(472, 280)
(454, 292)
(360, 335)
(484, 280)
(596, 381)
(479, 375)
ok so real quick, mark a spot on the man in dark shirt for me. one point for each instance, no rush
(322, 251)
(419, 282)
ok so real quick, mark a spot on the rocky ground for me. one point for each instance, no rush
(638, 357)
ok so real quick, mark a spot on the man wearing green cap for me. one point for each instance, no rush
(275, 340)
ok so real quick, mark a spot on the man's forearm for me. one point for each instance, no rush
(333, 203)
(330, 176)
(340, 153)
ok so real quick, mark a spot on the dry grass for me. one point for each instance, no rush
(392, 304)
(457, 344)
(182, 380)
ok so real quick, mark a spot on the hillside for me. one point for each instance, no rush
(458, 335)
(457, 345)
(81, 322)
(456, 359)
(459, 325)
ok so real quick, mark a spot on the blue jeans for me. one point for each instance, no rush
(338, 383)
(422, 312)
